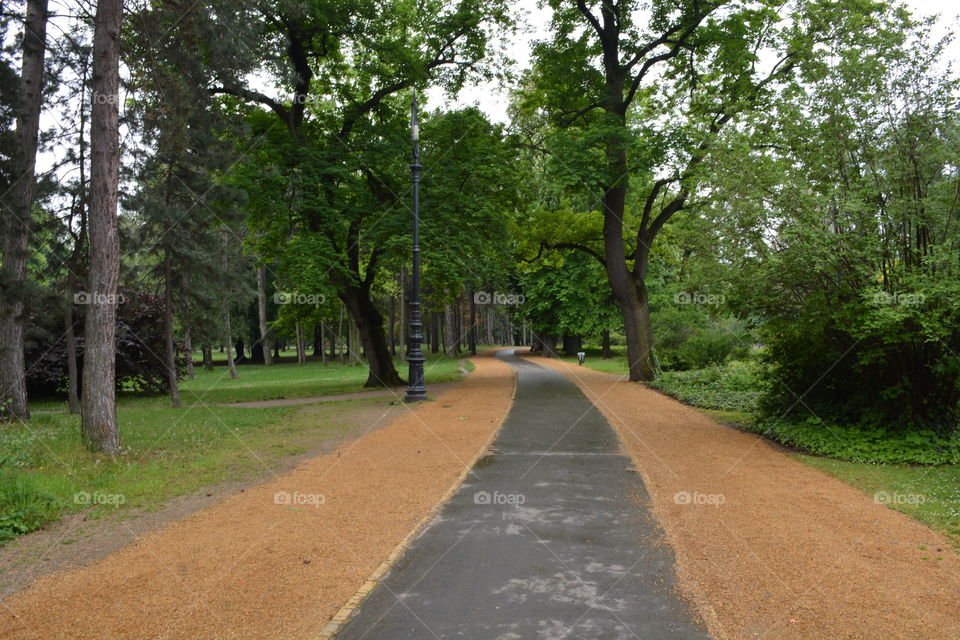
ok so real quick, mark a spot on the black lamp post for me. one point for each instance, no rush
(416, 391)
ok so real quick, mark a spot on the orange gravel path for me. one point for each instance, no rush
(251, 568)
(791, 553)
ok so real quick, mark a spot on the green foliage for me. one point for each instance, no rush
(857, 277)
(24, 507)
(568, 294)
(735, 387)
(863, 444)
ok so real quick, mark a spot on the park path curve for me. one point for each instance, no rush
(545, 540)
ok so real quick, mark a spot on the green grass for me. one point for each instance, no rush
(46, 472)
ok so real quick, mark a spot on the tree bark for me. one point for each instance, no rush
(572, 344)
(393, 324)
(449, 329)
(605, 340)
(188, 344)
(369, 323)
(404, 324)
(207, 357)
(227, 330)
(301, 347)
(434, 332)
(473, 325)
(262, 314)
(340, 336)
(490, 337)
(320, 339)
(73, 386)
(171, 352)
(100, 431)
(549, 343)
(16, 231)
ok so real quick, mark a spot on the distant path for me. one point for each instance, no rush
(549, 539)
(398, 392)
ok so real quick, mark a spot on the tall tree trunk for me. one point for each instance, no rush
(171, 351)
(207, 357)
(549, 343)
(605, 341)
(473, 325)
(572, 344)
(227, 330)
(404, 324)
(262, 314)
(100, 431)
(320, 339)
(449, 329)
(393, 324)
(301, 347)
(340, 336)
(228, 333)
(16, 231)
(369, 323)
(188, 344)
(490, 338)
(73, 398)
(435, 332)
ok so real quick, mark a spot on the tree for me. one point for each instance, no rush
(18, 216)
(646, 93)
(346, 61)
(100, 431)
(857, 273)
(185, 148)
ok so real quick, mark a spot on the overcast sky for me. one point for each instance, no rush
(493, 99)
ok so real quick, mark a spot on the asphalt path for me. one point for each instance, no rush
(549, 538)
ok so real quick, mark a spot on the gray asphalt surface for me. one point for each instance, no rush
(548, 539)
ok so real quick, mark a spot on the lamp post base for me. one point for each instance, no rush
(415, 397)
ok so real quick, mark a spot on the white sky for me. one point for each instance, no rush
(493, 99)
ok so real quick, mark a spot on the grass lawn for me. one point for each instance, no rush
(170, 452)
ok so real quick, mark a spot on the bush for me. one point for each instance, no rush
(710, 344)
(857, 444)
(735, 387)
(140, 347)
(23, 506)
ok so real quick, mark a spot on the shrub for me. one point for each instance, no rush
(23, 506)
(735, 387)
(140, 347)
(858, 444)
